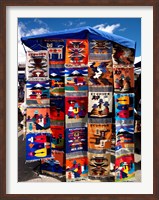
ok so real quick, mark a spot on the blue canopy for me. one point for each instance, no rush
(35, 42)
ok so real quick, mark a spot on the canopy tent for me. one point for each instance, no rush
(35, 42)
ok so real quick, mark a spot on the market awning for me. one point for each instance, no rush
(36, 42)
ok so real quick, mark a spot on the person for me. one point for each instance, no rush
(23, 108)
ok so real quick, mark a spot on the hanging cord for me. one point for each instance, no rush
(24, 47)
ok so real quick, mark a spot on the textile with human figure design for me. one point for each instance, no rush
(76, 168)
(100, 104)
(76, 109)
(124, 167)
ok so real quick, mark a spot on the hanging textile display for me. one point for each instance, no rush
(38, 138)
(123, 70)
(55, 164)
(76, 109)
(100, 101)
(80, 104)
(124, 151)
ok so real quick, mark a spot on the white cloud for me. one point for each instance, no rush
(37, 31)
(81, 23)
(68, 24)
(22, 32)
(40, 22)
(137, 59)
(122, 29)
(107, 28)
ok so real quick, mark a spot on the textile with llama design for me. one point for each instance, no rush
(56, 49)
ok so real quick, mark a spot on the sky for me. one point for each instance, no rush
(126, 27)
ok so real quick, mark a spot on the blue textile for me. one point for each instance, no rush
(36, 42)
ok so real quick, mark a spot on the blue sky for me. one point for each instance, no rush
(126, 27)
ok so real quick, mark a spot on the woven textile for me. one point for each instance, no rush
(38, 93)
(56, 49)
(38, 119)
(122, 55)
(76, 168)
(124, 106)
(76, 53)
(99, 136)
(100, 74)
(99, 165)
(53, 165)
(37, 66)
(123, 79)
(38, 146)
(124, 167)
(76, 139)
(100, 50)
